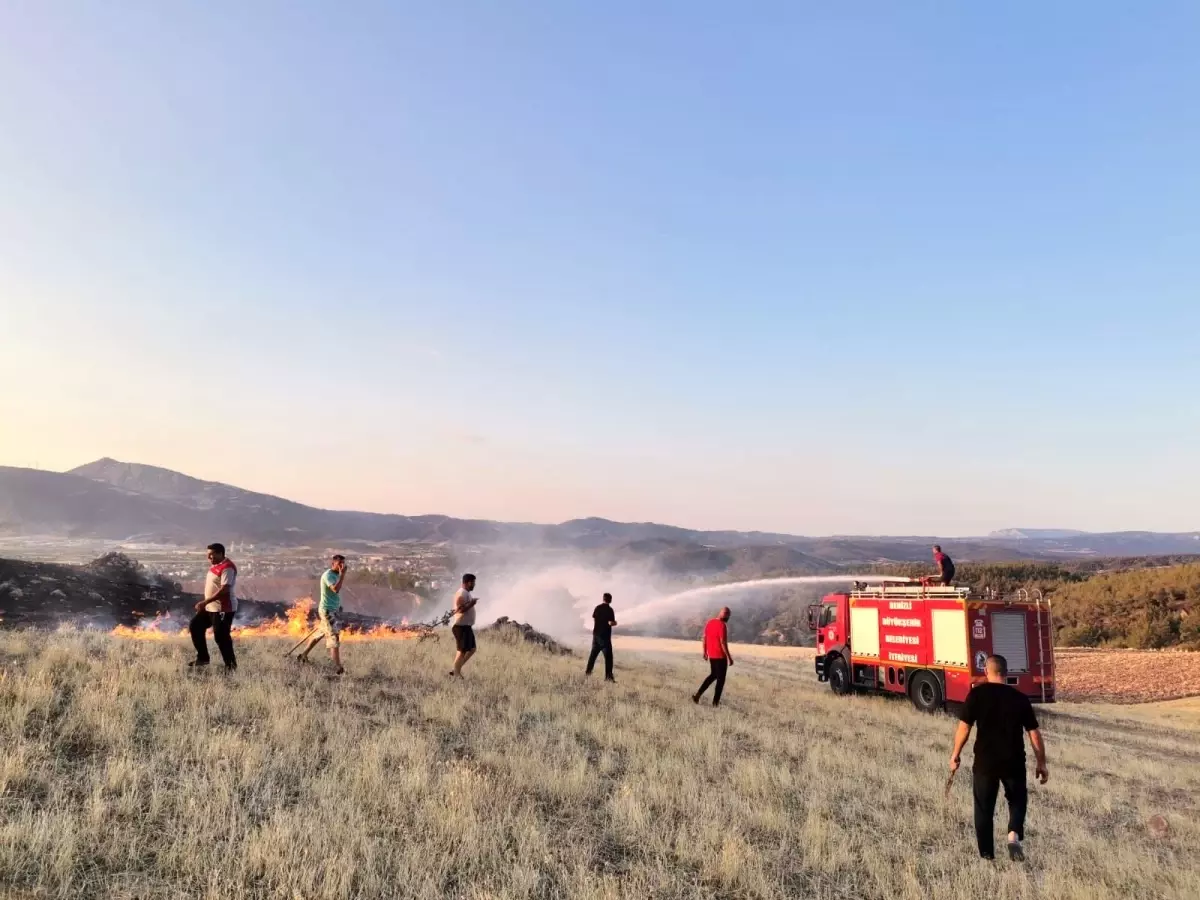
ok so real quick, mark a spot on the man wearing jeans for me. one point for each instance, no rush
(216, 610)
(1003, 714)
(716, 650)
(604, 621)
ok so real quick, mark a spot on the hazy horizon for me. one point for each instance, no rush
(827, 270)
(433, 512)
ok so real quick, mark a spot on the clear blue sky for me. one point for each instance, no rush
(875, 267)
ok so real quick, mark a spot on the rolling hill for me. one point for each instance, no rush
(120, 501)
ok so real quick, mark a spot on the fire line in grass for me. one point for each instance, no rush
(298, 620)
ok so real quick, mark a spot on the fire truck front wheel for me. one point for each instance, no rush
(839, 675)
(925, 692)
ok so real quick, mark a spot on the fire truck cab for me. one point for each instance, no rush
(930, 643)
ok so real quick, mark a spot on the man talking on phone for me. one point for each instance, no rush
(329, 611)
(463, 628)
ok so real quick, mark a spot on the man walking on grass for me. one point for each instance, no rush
(1003, 714)
(329, 611)
(605, 621)
(463, 628)
(216, 610)
(716, 650)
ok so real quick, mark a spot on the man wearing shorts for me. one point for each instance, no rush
(329, 609)
(464, 624)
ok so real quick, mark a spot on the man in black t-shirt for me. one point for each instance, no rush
(1003, 715)
(602, 637)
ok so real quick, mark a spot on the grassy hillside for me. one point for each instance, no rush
(124, 777)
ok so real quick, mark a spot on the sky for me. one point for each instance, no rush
(916, 268)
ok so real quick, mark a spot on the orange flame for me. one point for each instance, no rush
(297, 622)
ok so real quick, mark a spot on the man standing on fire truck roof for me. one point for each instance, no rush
(1002, 713)
(945, 565)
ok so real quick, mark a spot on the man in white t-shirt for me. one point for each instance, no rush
(464, 624)
(216, 610)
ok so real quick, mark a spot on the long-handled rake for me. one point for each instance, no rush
(302, 640)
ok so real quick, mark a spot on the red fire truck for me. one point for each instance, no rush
(930, 643)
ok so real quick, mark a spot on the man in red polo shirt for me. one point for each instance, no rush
(716, 650)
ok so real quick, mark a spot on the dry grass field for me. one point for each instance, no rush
(124, 777)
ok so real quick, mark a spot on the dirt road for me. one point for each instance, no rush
(1084, 676)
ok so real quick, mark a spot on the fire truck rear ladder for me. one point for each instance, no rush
(1038, 601)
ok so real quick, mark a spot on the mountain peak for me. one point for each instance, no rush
(1045, 534)
(155, 481)
(104, 462)
(108, 464)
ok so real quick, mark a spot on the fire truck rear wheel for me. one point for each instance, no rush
(925, 692)
(839, 676)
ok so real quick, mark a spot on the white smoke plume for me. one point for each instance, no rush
(557, 595)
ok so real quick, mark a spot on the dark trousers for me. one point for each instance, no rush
(717, 669)
(601, 644)
(220, 623)
(986, 789)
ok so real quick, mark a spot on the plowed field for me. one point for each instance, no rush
(1127, 676)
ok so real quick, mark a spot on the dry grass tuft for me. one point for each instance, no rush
(124, 777)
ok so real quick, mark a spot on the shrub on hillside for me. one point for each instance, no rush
(116, 566)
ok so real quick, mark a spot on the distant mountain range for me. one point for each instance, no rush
(128, 502)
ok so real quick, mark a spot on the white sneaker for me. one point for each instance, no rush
(1015, 852)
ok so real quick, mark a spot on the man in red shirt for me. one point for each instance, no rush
(945, 565)
(716, 650)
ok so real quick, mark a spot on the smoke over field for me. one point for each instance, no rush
(554, 594)
(559, 596)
